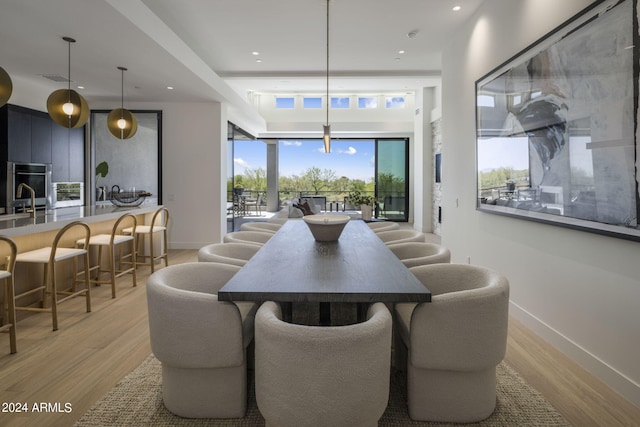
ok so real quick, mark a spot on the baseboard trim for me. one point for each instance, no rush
(187, 245)
(617, 381)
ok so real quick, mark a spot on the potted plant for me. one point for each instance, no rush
(102, 170)
(365, 202)
(238, 189)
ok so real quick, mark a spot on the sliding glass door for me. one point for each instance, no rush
(234, 211)
(392, 179)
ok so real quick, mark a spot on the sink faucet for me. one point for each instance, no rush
(33, 197)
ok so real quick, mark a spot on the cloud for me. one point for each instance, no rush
(349, 151)
(241, 163)
(292, 143)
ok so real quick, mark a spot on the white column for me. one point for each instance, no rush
(273, 202)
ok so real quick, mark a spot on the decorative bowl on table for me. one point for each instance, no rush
(326, 227)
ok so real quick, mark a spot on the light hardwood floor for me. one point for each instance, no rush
(91, 352)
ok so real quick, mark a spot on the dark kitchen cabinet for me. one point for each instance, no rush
(30, 136)
(18, 133)
(41, 139)
(67, 154)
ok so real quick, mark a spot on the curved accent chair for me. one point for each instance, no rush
(228, 253)
(200, 341)
(322, 376)
(413, 254)
(377, 227)
(400, 236)
(265, 227)
(248, 237)
(454, 342)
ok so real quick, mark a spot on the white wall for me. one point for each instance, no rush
(578, 290)
(193, 170)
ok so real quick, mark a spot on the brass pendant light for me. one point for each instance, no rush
(6, 87)
(65, 106)
(327, 128)
(122, 123)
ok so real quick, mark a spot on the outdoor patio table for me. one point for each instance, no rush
(293, 267)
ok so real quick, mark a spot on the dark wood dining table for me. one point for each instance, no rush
(293, 267)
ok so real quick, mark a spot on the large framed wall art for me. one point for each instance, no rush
(557, 126)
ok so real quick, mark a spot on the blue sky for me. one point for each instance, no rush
(351, 158)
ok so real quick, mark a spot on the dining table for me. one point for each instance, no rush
(292, 267)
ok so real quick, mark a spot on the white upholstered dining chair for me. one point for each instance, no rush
(322, 376)
(454, 342)
(379, 226)
(251, 237)
(400, 236)
(228, 253)
(265, 227)
(200, 341)
(413, 254)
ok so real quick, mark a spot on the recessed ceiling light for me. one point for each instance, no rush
(80, 87)
(412, 34)
(456, 8)
(170, 87)
(401, 52)
(258, 60)
(255, 53)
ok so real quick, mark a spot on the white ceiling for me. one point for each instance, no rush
(203, 48)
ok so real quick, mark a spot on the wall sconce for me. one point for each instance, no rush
(65, 106)
(122, 123)
(6, 87)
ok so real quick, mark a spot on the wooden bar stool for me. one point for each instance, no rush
(49, 257)
(159, 222)
(9, 317)
(110, 242)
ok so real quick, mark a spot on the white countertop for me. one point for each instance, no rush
(57, 218)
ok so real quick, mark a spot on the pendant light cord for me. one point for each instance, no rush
(69, 68)
(328, 100)
(122, 88)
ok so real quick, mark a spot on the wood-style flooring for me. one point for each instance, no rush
(68, 370)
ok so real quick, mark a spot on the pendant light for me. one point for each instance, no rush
(65, 106)
(327, 128)
(122, 123)
(6, 87)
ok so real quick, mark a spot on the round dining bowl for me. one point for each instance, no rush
(326, 227)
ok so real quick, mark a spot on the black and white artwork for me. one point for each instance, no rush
(557, 126)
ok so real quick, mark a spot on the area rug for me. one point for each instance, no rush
(137, 401)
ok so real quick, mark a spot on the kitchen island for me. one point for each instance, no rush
(33, 233)
(52, 220)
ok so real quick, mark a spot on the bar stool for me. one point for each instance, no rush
(9, 317)
(112, 241)
(51, 255)
(159, 223)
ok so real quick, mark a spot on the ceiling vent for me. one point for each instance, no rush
(56, 78)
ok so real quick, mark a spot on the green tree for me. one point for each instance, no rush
(255, 179)
(357, 185)
(341, 185)
(319, 179)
